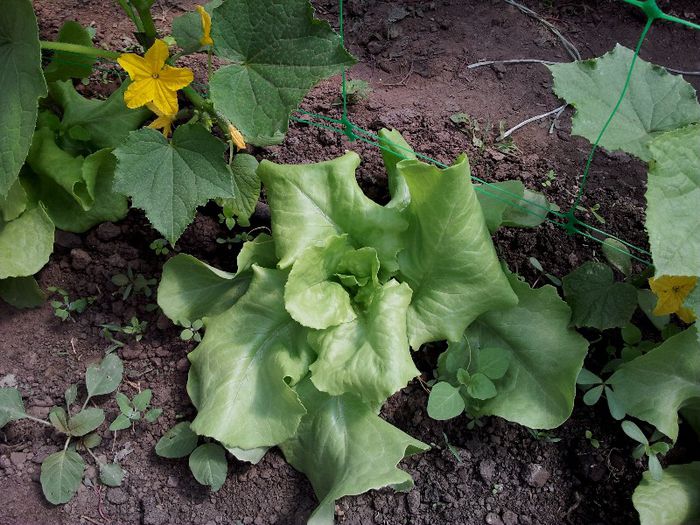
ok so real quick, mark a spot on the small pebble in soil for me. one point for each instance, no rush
(493, 519)
(117, 496)
(67, 240)
(79, 259)
(510, 518)
(108, 231)
(536, 475)
(487, 470)
(183, 364)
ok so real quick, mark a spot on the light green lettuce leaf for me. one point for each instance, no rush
(14, 203)
(673, 500)
(21, 84)
(21, 292)
(656, 101)
(545, 356)
(370, 356)
(242, 371)
(310, 203)
(394, 150)
(25, 243)
(346, 449)
(449, 262)
(673, 194)
(275, 52)
(656, 385)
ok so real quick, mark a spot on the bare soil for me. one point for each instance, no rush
(414, 55)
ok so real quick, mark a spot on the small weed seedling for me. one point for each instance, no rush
(595, 387)
(593, 210)
(470, 126)
(62, 471)
(227, 216)
(135, 328)
(64, 308)
(229, 242)
(129, 283)
(544, 435)
(647, 447)
(357, 91)
(593, 441)
(160, 247)
(538, 266)
(133, 410)
(549, 178)
(191, 331)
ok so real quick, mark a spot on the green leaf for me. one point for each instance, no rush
(21, 84)
(92, 440)
(104, 378)
(655, 469)
(463, 377)
(107, 122)
(14, 203)
(673, 500)
(647, 302)
(59, 419)
(673, 193)
(656, 101)
(153, 414)
(394, 151)
(592, 396)
(617, 411)
(310, 203)
(530, 212)
(345, 448)
(595, 298)
(631, 334)
(449, 262)
(142, 399)
(209, 466)
(493, 362)
(11, 406)
(481, 387)
(67, 212)
(71, 394)
(111, 474)
(310, 297)
(251, 456)
(276, 53)
(445, 401)
(246, 187)
(259, 251)
(495, 198)
(632, 430)
(85, 421)
(190, 289)
(655, 386)
(177, 442)
(121, 422)
(545, 356)
(586, 377)
(618, 255)
(22, 292)
(369, 356)
(187, 172)
(25, 243)
(70, 65)
(124, 404)
(61, 473)
(241, 373)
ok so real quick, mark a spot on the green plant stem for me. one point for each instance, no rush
(80, 50)
(130, 13)
(65, 447)
(205, 105)
(36, 419)
(149, 27)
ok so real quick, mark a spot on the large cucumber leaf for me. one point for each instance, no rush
(246, 187)
(545, 356)
(673, 194)
(656, 101)
(310, 203)
(671, 501)
(346, 449)
(449, 259)
(241, 372)
(276, 52)
(370, 356)
(168, 180)
(21, 84)
(655, 386)
(21, 292)
(25, 243)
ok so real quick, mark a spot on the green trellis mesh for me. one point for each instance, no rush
(566, 220)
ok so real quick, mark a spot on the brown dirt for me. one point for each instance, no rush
(417, 69)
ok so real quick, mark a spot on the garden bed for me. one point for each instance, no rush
(414, 56)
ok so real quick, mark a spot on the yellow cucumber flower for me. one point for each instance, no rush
(153, 80)
(236, 137)
(672, 292)
(206, 27)
(164, 122)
